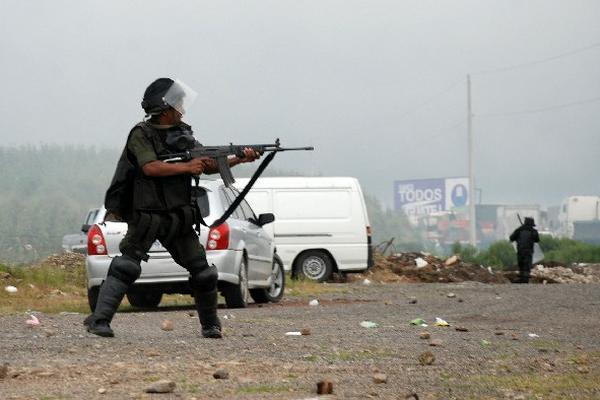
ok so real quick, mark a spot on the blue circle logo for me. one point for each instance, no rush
(459, 195)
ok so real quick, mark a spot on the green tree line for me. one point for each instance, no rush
(46, 191)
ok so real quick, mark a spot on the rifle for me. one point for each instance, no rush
(222, 153)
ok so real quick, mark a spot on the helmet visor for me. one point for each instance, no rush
(180, 96)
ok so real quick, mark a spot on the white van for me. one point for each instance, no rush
(321, 224)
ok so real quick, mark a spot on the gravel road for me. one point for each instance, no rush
(499, 356)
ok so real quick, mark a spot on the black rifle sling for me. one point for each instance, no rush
(243, 194)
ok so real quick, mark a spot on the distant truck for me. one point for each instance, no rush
(579, 218)
(77, 242)
(507, 218)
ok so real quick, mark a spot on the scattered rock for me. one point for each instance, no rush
(313, 302)
(366, 282)
(221, 374)
(461, 329)
(435, 342)
(162, 386)
(424, 335)
(514, 336)
(167, 325)
(324, 387)
(498, 333)
(46, 374)
(380, 378)
(49, 332)
(151, 353)
(426, 358)
(451, 295)
(451, 260)
(102, 390)
(583, 369)
(460, 300)
(412, 300)
(305, 332)
(11, 289)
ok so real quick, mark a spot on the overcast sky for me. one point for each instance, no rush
(378, 87)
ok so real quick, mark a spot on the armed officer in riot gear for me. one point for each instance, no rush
(155, 199)
(526, 236)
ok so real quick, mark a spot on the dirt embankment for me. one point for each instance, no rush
(426, 268)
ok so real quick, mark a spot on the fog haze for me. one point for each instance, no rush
(378, 87)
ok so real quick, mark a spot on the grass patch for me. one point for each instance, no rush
(45, 288)
(357, 355)
(542, 344)
(303, 287)
(555, 386)
(258, 389)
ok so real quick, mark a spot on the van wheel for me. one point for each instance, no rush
(93, 293)
(315, 265)
(238, 296)
(144, 299)
(274, 293)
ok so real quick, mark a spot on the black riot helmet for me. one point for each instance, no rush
(165, 93)
(153, 101)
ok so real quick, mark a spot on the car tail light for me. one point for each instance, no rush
(96, 242)
(218, 237)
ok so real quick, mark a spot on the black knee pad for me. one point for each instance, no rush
(203, 277)
(125, 269)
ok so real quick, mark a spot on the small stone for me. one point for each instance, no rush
(324, 387)
(221, 374)
(514, 336)
(162, 386)
(547, 367)
(451, 295)
(451, 260)
(191, 314)
(102, 390)
(460, 300)
(305, 332)
(461, 329)
(498, 333)
(583, 369)
(313, 302)
(49, 332)
(435, 342)
(151, 353)
(424, 335)
(167, 325)
(412, 300)
(426, 358)
(380, 378)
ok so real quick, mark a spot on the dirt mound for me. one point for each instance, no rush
(421, 267)
(65, 260)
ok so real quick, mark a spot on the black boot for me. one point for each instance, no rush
(206, 304)
(111, 294)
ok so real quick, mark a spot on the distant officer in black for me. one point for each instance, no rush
(155, 198)
(525, 236)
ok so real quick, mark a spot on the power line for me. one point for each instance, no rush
(540, 61)
(430, 99)
(539, 110)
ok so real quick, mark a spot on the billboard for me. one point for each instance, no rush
(419, 197)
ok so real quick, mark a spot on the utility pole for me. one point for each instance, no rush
(472, 231)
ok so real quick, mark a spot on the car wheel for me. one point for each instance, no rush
(315, 265)
(238, 296)
(144, 299)
(274, 293)
(93, 297)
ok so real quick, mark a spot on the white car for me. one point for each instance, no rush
(243, 252)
